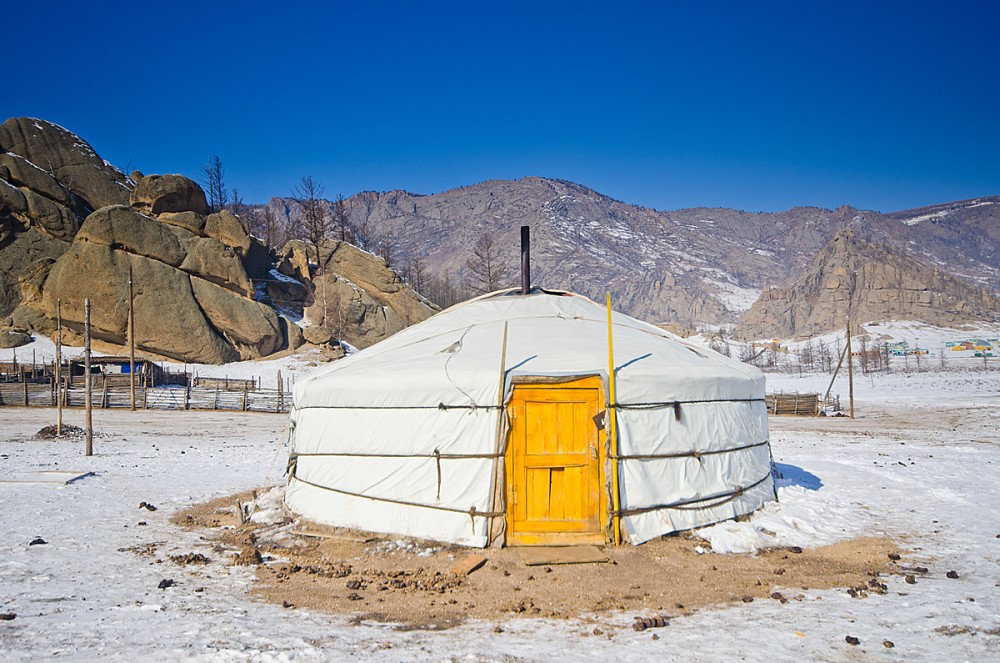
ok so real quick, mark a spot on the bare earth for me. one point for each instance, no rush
(411, 583)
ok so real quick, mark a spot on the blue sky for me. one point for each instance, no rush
(752, 105)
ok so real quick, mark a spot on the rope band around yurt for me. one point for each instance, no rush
(472, 512)
(691, 454)
(474, 406)
(689, 505)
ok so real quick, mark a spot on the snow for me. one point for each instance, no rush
(929, 479)
(930, 487)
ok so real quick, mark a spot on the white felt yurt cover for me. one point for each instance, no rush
(403, 437)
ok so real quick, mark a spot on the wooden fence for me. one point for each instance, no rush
(115, 394)
(803, 405)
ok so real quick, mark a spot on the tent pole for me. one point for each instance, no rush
(613, 432)
(500, 462)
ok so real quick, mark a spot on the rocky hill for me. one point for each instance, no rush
(871, 282)
(78, 228)
(702, 266)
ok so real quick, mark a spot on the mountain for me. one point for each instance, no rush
(702, 266)
(871, 282)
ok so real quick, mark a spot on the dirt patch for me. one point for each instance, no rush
(409, 582)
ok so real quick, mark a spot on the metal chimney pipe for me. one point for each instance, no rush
(525, 260)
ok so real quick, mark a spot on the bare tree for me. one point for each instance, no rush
(488, 269)
(264, 224)
(341, 223)
(309, 194)
(416, 273)
(236, 204)
(388, 243)
(212, 179)
(444, 290)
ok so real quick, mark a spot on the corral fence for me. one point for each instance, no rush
(114, 391)
(801, 405)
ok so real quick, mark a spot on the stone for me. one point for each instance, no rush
(317, 335)
(14, 338)
(23, 247)
(190, 221)
(124, 228)
(359, 299)
(211, 260)
(155, 194)
(228, 229)
(68, 159)
(248, 326)
(293, 261)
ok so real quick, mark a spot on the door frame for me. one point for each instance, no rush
(592, 381)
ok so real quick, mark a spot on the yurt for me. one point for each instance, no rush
(499, 422)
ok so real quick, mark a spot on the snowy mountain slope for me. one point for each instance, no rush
(702, 266)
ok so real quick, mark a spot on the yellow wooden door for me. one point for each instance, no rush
(554, 464)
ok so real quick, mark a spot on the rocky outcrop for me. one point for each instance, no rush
(873, 283)
(193, 297)
(50, 180)
(352, 297)
(156, 194)
(68, 159)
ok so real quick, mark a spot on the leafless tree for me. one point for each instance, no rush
(388, 243)
(416, 274)
(309, 194)
(341, 223)
(444, 290)
(264, 224)
(212, 179)
(487, 267)
(236, 204)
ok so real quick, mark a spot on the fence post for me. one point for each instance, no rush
(279, 403)
(86, 377)
(244, 396)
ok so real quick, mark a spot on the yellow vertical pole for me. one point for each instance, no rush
(613, 433)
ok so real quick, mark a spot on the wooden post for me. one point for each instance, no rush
(281, 395)
(131, 340)
(850, 366)
(86, 377)
(616, 524)
(24, 383)
(244, 396)
(104, 394)
(59, 399)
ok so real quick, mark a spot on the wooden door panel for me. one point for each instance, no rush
(555, 464)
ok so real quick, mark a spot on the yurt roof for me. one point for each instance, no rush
(454, 357)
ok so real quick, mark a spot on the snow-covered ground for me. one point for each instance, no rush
(920, 464)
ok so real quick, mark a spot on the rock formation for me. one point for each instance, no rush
(50, 180)
(874, 283)
(352, 295)
(193, 297)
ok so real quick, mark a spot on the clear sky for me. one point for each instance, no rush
(753, 105)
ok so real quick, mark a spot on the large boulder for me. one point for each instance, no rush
(21, 248)
(190, 221)
(359, 299)
(123, 228)
(14, 338)
(215, 262)
(155, 194)
(248, 326)
(67, 158)
(169, 321)
(228, 229)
